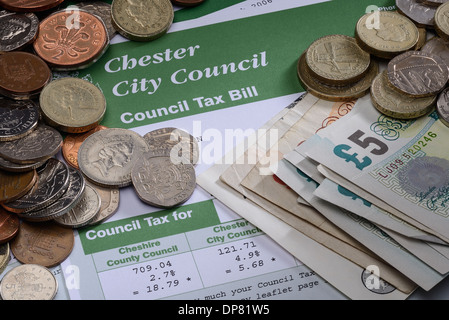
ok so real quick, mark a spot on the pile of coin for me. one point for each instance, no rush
(407, 74)
(51, 185)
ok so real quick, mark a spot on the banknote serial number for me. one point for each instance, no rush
(403, 159)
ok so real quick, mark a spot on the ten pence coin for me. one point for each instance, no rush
(142, 20)
(71, 39)
(337, 60)
(28, 282)
(43, 243)
(72, 105)
(107, 157)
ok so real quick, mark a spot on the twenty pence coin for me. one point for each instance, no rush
(43, 243)
(396, 105)
(142, 20)
(337, 60)
(421, 14)
(17, 31)
(161, 183)
(28, 282)
(72, 105)
(107, 157)
(418, 74)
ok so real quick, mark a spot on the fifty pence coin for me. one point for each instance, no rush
(29, 5)
(17, 118)
(107, 157)
(337, 60)
(23, 75)
(395, 34)
(15, 185)
(396, 105)
(73, 142)
(43, 243)
(53, 181)
(84, 212)
(71, 40)
(443, 106)
(17, 31)
(9, 226)
(142, 20)
(64, 204)
(161, 183)
(28, 282)
(182, 146)
(72, 105)
(41, 144)
(418, 74)
(110, 200)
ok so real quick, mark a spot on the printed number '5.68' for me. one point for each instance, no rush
(379, 148)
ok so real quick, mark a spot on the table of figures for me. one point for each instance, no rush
(232, 260)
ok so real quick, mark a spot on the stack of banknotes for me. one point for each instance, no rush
(357, 196)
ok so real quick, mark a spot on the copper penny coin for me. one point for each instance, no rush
(9, 226)
(187, 3)
(15, 185)
(29, 5)
(23, 75)
(71, 39)
(417, 74)
(43, 243)
(73, 142)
